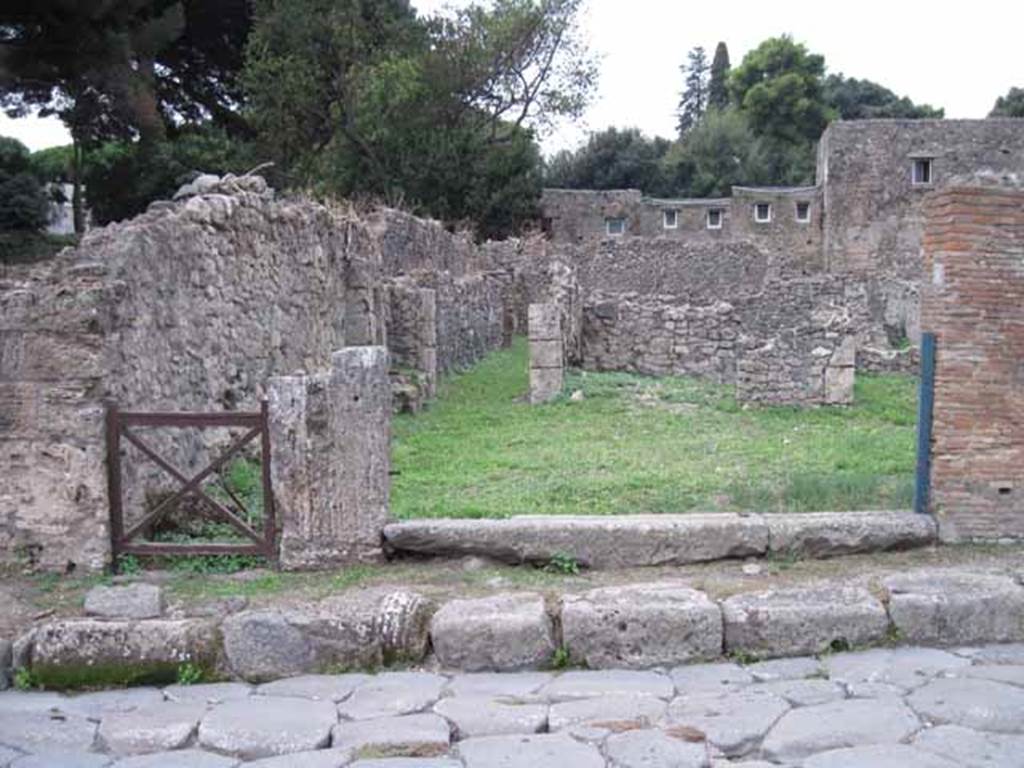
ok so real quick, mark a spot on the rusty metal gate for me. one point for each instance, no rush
(120, 426)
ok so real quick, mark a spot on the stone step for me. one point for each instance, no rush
(626, 541)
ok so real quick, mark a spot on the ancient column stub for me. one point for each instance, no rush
(547, 352)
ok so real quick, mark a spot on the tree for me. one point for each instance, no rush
(23, 204)
(122, 69)
(718, 84)
(854, 99)
(1010, 105)
(362, 97)
(693, 101)
(612, 159)
(716, 154)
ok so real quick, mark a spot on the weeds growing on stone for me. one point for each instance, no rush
(637, 444)
(564, 563)
(189, 674)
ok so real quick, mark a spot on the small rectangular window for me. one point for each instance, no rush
(670, 219)
(616, 226)
(715, 218)
(923, 171)
(803, 211)
(762, 212)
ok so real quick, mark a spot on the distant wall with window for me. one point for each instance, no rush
(875, 174)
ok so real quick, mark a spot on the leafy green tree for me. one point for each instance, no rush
(23, 204)
(716, 154)
(361, 97)
(53, 164)
(1010, 105)
(693, 101)
(612, 159)
(854, 99)
(718, 82)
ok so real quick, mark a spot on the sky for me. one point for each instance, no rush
(957, 57)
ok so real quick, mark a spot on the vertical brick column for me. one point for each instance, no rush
(547, 352)
(329, 435)
(973, 300)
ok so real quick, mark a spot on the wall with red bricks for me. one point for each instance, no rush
(973, 300)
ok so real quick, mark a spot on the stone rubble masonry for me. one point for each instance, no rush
(971, 299)
(793, 342)
(194, 306)
(329, 437)
(547, 353)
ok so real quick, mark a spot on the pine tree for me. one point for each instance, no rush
(718, 85)
(694, 99)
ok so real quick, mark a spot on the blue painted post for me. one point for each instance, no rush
(925, 405)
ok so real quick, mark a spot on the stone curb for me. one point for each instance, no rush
(653, 540)
(638, 626)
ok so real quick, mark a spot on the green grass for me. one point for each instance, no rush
(636, 444)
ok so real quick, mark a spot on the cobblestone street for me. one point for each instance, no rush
(910, 707)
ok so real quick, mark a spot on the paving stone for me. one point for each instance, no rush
(802, 620)
(905, 668)
(875, 691)
(586, 683)
(828, 534)
(855, 722)
(61, 760)
(710, 678)
(612, 541)
(519, 685)
(1001, 673)
(157, 728)
(102, 703)
(528, 752)
(423, 735)
(319, 687)
(7, 755)
(485, 716)
(641, 625)
(32, 731)
(983, 705)
(887, 756)
(407, 762)
(953, 608)
(1005, 653)
(317, 758)
(733, 722)
(179, 758)
(599, 712)
(499, 632)
(393, 693)
(804, 693)
(654, 749)
(208, 693)
(797, 668)
(266, 726)
(972, 749)
(12, 702)
(132, 601)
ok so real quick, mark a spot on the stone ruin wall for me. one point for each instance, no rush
(194, 305)
(793, 343)
(972, 302)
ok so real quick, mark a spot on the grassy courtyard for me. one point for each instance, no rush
(637, 444)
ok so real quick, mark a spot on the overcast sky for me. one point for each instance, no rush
(957, 57)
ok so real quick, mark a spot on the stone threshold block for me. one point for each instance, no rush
(640, 626)
(595, 542)
(803, 620)
(500, 633)
(831, 534)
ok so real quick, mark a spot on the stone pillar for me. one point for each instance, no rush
(547, 352)
(329, 440)
(971, 299)
(841, 372)
(428, 341)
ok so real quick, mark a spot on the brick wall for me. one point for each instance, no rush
(973, 300)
